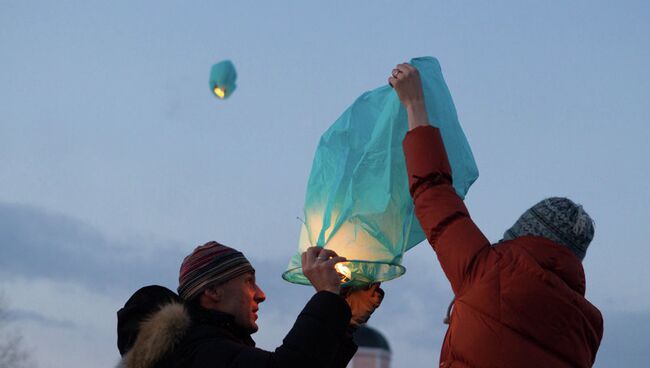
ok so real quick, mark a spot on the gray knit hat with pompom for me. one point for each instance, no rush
(557, 219)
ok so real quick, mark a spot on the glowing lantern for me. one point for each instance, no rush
(222, 79)
(358, 202)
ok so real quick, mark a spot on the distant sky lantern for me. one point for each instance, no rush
(222, 79)
(358, 202)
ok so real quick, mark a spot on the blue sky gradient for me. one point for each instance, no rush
(115, 159)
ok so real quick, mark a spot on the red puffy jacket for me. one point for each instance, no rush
(519, 303)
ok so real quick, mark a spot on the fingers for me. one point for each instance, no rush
(380, 292)
(312, 252)
(328, 257)
(402, 72)
(310, 256)
(334, 260)
(405, 80)
(378, 297)
(363, 302)
(406, 68)
(327, 253)
(318, 267)
(373, 286)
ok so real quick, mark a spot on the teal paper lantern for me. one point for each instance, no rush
(222, 79)
(358, 202)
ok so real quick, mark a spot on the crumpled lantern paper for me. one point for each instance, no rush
(222, 79)
(358, 202)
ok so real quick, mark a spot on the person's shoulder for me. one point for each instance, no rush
(216, 348)
(159, 335)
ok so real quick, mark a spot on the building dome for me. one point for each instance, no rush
(368, 337)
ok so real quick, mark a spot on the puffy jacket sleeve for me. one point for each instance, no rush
(319, 338)
(457, 241)
(320, 335)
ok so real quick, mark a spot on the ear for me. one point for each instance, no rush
(215, 295)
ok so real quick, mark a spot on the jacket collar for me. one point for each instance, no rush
(210, 319)
(555, 258)
(157, 336)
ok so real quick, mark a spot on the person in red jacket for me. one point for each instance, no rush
(518, 303)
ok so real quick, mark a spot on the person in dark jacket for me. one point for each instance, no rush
(142, 304)
(521, 302)
(211, 323)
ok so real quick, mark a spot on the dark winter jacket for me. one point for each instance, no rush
(518, 304)
(192, 337)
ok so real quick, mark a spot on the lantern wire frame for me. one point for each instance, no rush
(359, 273)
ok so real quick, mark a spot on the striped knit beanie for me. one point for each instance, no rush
(557, 219)
(209, 264)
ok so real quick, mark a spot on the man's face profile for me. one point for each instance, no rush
(241, 297)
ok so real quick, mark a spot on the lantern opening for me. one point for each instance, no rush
(353, 273)
(219, 92)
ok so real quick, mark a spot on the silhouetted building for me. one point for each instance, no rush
(373, 352)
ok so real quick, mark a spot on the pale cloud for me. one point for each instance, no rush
(63, 323)
(65, 304)
(59, 347)
(52, 246)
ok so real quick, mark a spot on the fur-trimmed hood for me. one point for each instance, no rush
(157, 337)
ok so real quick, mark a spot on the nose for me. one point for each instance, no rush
(259, 295)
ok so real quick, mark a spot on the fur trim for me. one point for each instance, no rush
(158, 336)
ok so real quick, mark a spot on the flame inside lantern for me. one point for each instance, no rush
(344, 272)
(219, 92)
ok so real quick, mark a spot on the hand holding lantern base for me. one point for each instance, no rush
(318, 266)
(363, 301)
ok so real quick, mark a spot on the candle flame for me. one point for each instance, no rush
(220, 92)
(344, 272)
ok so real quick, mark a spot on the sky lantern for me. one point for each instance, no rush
(357, 201)
(222, 79)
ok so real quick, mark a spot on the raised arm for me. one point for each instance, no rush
(319, 338)
(457, 241)
(321, 334)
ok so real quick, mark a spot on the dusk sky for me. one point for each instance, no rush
(116, 160)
